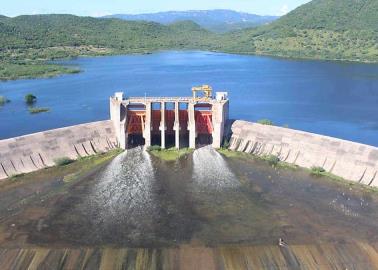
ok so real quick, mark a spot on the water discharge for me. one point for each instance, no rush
(123, 195)
(210, 170)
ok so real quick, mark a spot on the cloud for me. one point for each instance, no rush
(284, 10)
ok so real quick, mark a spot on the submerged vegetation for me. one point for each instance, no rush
(35, 110)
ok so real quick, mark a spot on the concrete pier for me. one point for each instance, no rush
(162, 125)
(203, 120)
(192, 126)
(147, 129)
(176, 126)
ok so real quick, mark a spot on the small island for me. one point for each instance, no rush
(35, 110)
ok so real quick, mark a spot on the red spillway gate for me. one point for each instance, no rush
(204, 122)
(135, 122)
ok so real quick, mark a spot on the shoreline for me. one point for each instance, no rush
(64, 70)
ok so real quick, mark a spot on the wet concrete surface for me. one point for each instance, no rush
(202, 200)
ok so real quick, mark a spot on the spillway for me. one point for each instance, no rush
(123, 195)
(211, 171)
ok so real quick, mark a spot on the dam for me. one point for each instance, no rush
(180, 121)
(187, 122)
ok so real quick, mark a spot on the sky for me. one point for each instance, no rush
(106, 7)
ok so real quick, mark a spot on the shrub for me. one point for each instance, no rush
(63, 161)
(265, 122)
(30, 99)
(17, 175)
(226, 144)
(154, 148)
(3, 100)
(317, 170)
(272, 159)
(38, 110)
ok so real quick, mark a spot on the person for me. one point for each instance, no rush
(281, 242)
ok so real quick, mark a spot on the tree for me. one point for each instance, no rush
(30, 99)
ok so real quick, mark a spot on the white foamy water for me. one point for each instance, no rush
(348, 206)
(122, 195)
(211, 170)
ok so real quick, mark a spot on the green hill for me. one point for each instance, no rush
(321, 29)
(43, 31)
(26, 42)
(334, 15)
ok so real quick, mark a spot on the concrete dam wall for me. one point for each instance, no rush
(36, 151)
(352, 161)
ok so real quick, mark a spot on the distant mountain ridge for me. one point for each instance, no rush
(218, 20)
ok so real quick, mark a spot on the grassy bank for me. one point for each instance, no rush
(67, 172)
(170, 154)
(275, 162)
(271, 159)
(30, 70)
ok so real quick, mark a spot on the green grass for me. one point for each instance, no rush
(36, 110)
(16, 176)
(68, 169)
(88, 163)
(63, 161)
(320, 171)
(317, 170)
(271, 159)
(170, 154)
(232, 154)
(266, 122)
(11, 70)
(154, 148)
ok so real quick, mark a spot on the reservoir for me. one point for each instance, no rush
(329, 98)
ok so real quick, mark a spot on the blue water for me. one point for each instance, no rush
(330, 98)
